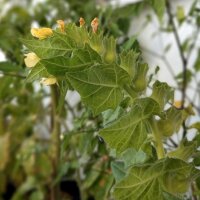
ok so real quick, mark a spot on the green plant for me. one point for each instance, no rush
(114, 83)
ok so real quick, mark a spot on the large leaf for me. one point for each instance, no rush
(131, 129)
(80, 59)
(57, 45)
(99, 86)
(151, 181)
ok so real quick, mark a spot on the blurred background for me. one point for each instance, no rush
(167, 36)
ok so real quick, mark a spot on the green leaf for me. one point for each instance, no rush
(131, 43)
(180, 14)
(4, 150)
(80, 59)
(132, 157)
(57, 45)
(99, 86)
(151, 181)
(159, 7)
(111, 115)
(118, 170)
(196, 125)
(9, 67)
(184, 151)
(162, 93)
(37, 72)
(130, 131)
(197, 63)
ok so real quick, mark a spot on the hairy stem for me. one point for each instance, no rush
(55, 137)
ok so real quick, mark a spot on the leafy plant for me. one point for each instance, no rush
(109, 80)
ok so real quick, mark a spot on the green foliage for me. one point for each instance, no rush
(112, 79)
(104, 79)
(151, 181)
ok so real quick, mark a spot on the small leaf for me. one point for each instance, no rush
(38, 72)
(159, 7)
(111, 115)
(195, 125)
(118, 170)
(184, 151)
(180, 14)
(132, 157)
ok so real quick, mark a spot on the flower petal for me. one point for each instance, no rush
(31, 59)
(41, 33)
(48, 81)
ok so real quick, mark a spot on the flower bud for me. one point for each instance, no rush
(82, 22)
(178, 104)
(95, 24)
(61, 25)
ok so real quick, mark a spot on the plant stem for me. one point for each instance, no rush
(55, 137)
(158, 140)
(130, 91)
(183, 59)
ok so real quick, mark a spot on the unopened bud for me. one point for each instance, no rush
(95, 24)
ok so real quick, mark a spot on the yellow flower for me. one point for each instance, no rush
(95, 24)
(61, 24)
(48, 81)
(178, 104)
(31, 59)
(41, 33)
(81, 21)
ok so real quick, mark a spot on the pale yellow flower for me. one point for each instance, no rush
(61, 24)
(178, 104)
(31, 59)
(81, 21)
(41, 33)
(48, 81)
(95, 24)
